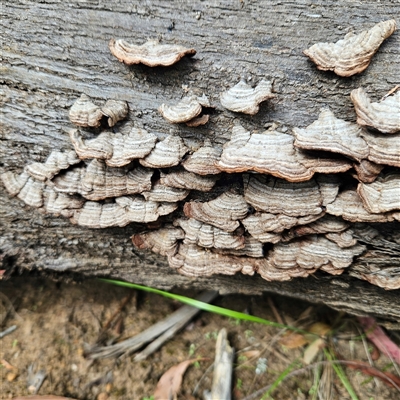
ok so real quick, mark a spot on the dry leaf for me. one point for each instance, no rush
(319, 328)
(293, 340)
(169, 384)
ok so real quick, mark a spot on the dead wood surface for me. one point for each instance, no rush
(55, 50)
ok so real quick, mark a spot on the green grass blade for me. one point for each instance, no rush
(204, 306)
(281, 377)
(341, 374)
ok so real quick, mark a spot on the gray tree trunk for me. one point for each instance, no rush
(55, 50)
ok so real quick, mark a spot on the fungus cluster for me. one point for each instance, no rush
(288, 213)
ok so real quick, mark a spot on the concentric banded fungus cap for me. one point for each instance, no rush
(186, 110)
(311, 253)
(162, 241)
(383, 195)
(367, 171)
(206, 235)
(151, 53)
(118, 149)
(278, 196)
(222, 212)
(243, 98)
(39, 195)
(192, 260)
(350, 207)
(332, 134)
(115, 110)
(160, 192)
(183, 179)
(273, 153)
(267, 228)
(126, 209)
(56, 161)
(167, 153)
(85, 113)
(352, 54)
(203, 160)
(383, 116)
(97, 181)
(383, 149)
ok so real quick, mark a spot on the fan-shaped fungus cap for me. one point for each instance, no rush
(115, 110)
(166, 153)
(191, 260)
(243, 98)
(160, 192)
(349, 206)
(206, 235)
(278, 196)
(118, 149)
(183, 179)
(185, 111)
(203, 160)
(151, 53)
(85, 113)
(222, 212)
(367, 171)
(56, 161)
(162, 241)
(352, 54)
(383, 116)
(97, 181)
(383, 149)
(124, 211)
(383, 195)
(332, 134)
(272, 152)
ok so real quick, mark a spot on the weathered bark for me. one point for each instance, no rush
(54, 51)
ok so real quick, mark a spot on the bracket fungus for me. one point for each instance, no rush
(124, 210)
(117, 149)
(383, 195)
(383, 149)
(187, 110)
(383, 116)
(115, 110)
(332, 134)
(55, 162)
(273, 152)
(243, 98)
(267, 227)
(209, 236)
(166, 153)
(202, 161)
(352, 54)
(349, 206)
(192, 260)
(311, 253)
(162, 241)
(151, 53)
(85, 113)
(183, 179)
(160, 192)
(277, 196)
(367, 171)
(97, 181)
(40, 195)
(224, 212)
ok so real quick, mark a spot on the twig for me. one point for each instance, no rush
(136, 342)
(222, 379)
(8, 330)
(274, 310)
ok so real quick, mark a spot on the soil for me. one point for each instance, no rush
(57, 321)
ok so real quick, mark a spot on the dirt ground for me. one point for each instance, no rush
(57, 321)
